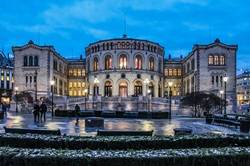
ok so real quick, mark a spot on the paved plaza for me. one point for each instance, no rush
(160, 126)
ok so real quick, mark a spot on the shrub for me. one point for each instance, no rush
(122, 142)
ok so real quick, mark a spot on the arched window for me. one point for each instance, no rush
(138, 88)
(210, 60)
(36, 61)
(151, 64)
(108, 62)
(108, 89)
(222, 60)
(123, 89)
(95, 67)
(30, 60)
(151, 89)
(25, 61)
(123, 62)
(138, 62)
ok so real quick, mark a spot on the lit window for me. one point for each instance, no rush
(79, 72)
(151, 63)
(79, 84)
(210, 60)
(179, 72)
(108, 62)
(174, 72)
(222, 60)
(166, 72)
(138, 62)
(170, 72)
(83, 84)
(95, 64)
(123, 62)
(79, 93)
(216, 60)
(70, 84)
(70, 93)
(75, 84)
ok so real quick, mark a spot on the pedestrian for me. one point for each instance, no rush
(77, 113)
(43, 111)
(36, 112)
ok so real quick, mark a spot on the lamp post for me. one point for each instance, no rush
(170, 84)
(221, 94)
(149, 91)
(96, 90)
(16, 89)
(52, 83)
(36, 86)
(146, 82)
(85, 93)
(225, 79)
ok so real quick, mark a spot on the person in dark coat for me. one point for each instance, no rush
(43, 111)
(77, 113)
(36, 112)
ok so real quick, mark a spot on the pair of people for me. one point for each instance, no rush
(40, 112)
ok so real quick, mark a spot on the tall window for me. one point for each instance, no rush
(159, 66)
(123, 62)
(36, 61)
(222, 60)
(151, 64)
(95, 64)
(30, 60)
(123, 89)
(210, 60)
(216, 60)
(108, 89)
(108, 62)
(138, 62)
(138, 88)
(25, 61)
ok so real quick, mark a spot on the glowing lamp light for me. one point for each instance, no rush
(225, 79)
(170, 84)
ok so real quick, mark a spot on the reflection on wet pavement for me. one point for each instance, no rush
(160, 126)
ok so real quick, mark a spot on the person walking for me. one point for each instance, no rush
(36, 112)
(43, 112)
(77, 113)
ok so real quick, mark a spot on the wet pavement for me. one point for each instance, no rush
(160, 126)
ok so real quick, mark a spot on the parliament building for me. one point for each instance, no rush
(125, 69)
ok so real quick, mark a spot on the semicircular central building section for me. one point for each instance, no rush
(125, 67)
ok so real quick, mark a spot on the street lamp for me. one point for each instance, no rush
(225, 79)
(85, 93)
(35, 85)
(170, 84)
(96, 89)
(146, 82)
(16, 89)
(149, 91)
(221, 93)
(52, 83)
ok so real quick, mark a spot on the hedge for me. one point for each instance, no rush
(170, 157)
(122, 142)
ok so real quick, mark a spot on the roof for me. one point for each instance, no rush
(125, 38)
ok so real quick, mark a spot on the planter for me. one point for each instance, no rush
(245, 125)
(119, 114)
(209, 120)
(94, 122)
(160, 115)
(143, 114)
(98, 113)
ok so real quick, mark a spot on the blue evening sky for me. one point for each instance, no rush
(70, 25)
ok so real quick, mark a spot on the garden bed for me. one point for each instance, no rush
(122, 142)
(172, 157)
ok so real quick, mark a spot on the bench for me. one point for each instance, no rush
(31, 131)
(123, 133)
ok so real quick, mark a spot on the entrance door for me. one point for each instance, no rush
(123, 89)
